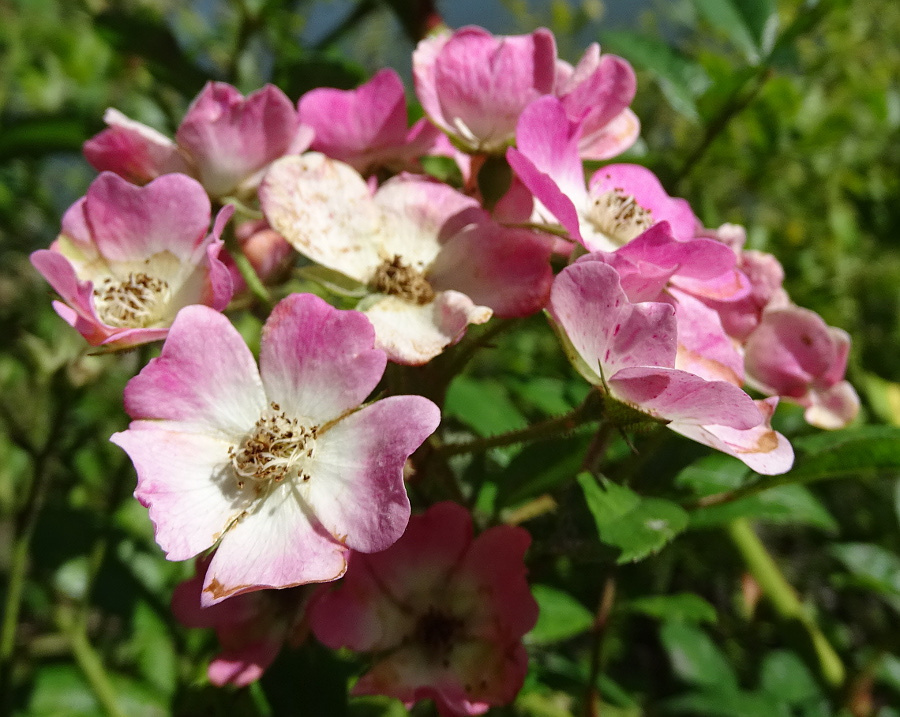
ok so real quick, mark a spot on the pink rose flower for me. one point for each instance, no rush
(429, 259)
(129, 258)
(628, 350)
(794, 354)
(445, 613)
(225, 140)
(474, 85)
(620, 202)
(280, 466)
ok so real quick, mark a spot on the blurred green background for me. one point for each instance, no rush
(781, 116)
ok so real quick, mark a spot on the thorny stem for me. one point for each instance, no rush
(543, 430)
(89, 662)
(783, 597)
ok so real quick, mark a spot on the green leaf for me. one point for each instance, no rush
(483, 405)
(728, 704)
(695, 658)
(157, 659)
(682, 607)
(680, 79)
(874, 568)
(561, 616)
(834, 454)
(637, 526)
(782, 505)
(787, 678)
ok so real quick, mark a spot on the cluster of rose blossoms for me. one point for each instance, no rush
(281, 475)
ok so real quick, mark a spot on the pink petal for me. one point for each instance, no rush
(277, 543)
(603, 95)
(505, 269)
(316, 361)
(205, 380)
(352, 125)
(130, 223)
(674, 395)
(704, 348)
(185, 481)
(231, 137)
(324, 209)
(244, 665)
(762, 449)
(832, 408)
(611, 139)
(356, 490)
(606, 331)
(413, 334)
(133, 150)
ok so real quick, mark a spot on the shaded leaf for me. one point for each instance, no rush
(785, 504)
(695, 658)
(561, 616)
(787, 678)
(682, 607)
(483, 405)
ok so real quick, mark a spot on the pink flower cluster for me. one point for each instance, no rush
(285, 468)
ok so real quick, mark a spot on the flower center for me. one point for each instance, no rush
(135, 302)
(276, 448)
(435, 632)
(397, 279)
(619, 216)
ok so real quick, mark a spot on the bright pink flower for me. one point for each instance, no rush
(474, 85)
(251, 627)
(129, 258)
(280, 466)
(793, 353)
(620, 202)
(444, 612)
(430, 259)
(596, 93)
(628, 350)
(366, 127)
(225, 140)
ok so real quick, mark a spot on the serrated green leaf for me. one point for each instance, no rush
(680, 79)
(483, 405)
(782, 505)
(848, 452)
(561, 616)
(787, 678)
(637, 526)
(682, 607)
(695, 658)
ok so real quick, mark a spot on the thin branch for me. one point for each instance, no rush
(784, 598)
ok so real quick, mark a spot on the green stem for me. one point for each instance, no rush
(89, 662)
(550, 428)
(25, 526)
(783, 597)
(257, 288)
